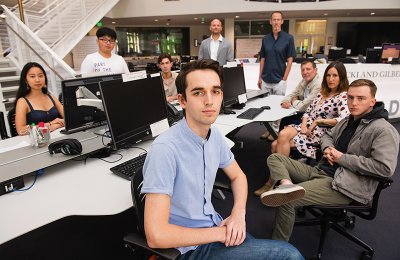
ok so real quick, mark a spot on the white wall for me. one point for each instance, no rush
(141, 8)
(197, 32)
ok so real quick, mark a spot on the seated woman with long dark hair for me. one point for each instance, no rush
(327, 108)
(33, 103)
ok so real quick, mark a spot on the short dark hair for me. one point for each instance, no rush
(343, 83)
(365, 82)
(181, 83)
(24, 88)
(163, 56)
(277, 12)
(105, 31)
(304, 62)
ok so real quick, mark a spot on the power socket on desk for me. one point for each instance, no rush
(11, 185)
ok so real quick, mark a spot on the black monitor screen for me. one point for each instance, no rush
(233, 86)
(373, 55)
(390, 50)
(335, 54)
(79, 117)
(131, 107)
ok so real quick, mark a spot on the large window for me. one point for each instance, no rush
(151, 41)
(248, 29)
(310, 36)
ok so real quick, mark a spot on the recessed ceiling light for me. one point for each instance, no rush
(113, 22)
(155, 20)
(372, 13)
(325, 14)
(237, 16)
(195, 18)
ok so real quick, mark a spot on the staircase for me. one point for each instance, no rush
(61, 24)
(52, 29)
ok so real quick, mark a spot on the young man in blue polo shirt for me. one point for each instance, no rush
(179, 175)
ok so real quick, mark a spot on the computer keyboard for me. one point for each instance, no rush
(250, 113)
(128, 169)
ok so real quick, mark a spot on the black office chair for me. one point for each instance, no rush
(11, 122)
(137, 240)
(3, 129)
(331, 216)
(60, 98)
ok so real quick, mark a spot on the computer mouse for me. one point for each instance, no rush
(266, 107)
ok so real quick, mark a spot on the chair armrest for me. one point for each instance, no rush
(222, 186)
(138, 240)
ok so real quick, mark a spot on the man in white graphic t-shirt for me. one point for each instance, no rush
(104, 61)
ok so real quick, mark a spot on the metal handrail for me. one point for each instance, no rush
(37, 54)
(38, 41)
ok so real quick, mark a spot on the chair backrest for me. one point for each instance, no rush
(138, 199)
(371, 213)
(11, 122)
(3, 129)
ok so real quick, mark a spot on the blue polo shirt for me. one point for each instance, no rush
(276, 52)
(183, 165)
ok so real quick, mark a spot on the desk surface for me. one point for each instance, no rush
(65, 189)
(275, 113)
(25, 159)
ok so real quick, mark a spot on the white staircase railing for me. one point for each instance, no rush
(27, 46)
(61, 24)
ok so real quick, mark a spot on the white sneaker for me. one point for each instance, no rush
(282, 194)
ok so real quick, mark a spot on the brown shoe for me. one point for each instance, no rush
(265, 135)
(266, 187)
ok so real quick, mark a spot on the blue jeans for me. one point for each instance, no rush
(251, 248)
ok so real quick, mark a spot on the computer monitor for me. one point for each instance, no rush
(131, 107)
(233, 86)
(373, 55)
(82, 102)
(390, 50)
(336, 53)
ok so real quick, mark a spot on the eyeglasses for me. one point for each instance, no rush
(105, 40)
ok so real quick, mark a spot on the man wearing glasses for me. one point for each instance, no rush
(104, 61)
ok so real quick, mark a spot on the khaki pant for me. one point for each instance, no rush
(318, 186)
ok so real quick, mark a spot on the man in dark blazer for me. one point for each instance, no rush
(216, 47)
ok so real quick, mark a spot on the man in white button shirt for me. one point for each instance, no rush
(216, 47)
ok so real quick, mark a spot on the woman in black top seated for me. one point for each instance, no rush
(33, 103)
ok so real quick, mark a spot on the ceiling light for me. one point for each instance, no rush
(113, 22)
(372, 13)
(155, 20)
(195, 18)
(237, 16)
(325, 14)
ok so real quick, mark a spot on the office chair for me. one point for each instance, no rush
(3, 129)
(11, 122)
(137, 240)
(60, 98)
(330, 216)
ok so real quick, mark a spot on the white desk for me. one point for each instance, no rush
(67, 189)
(26, 159)
(275, 113)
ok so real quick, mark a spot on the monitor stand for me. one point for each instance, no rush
(238, 106)
(227, 111)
